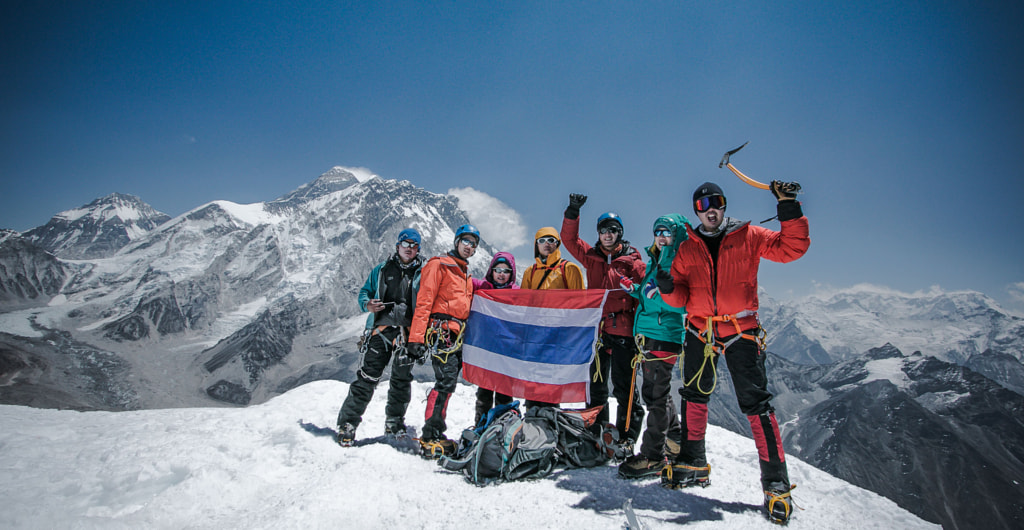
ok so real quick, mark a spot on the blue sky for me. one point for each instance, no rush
(903, 121)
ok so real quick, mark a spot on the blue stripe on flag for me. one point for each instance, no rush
(531, 343)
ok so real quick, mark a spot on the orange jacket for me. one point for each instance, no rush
(445, 288)
(729, 286)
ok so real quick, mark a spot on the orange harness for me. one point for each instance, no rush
(712, 345)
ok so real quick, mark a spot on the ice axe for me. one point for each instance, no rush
(786, 187)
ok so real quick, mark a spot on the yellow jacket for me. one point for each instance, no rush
(554, 272)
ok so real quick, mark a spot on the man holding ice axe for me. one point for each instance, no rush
(714, 275)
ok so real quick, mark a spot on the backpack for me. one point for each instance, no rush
(508, 446)
(578, 444)
(505, 446)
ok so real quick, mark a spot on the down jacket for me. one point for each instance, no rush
(656, 319)
(729, 286)
(445, 288)
(555, 279)
(603, 272)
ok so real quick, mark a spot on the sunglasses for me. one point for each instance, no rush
(468, 242)
(704, 204)
(610, 230)
(663, 232)
(408, 244)
(547, 239)
(502, 271)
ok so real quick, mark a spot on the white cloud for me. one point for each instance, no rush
(361, 174)
(1016, 292)
(499, 224)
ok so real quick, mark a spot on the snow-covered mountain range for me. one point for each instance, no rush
(227, 301)
(116, 306)
(840, 324)
(921, 431)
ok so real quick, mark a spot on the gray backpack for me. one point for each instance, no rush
(506, 446)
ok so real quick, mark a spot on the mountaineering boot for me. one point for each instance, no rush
(679, 475)
(395, 428)
(346, 434)
(671, 449)
(435, 449)
(778, 502)
(638, 466)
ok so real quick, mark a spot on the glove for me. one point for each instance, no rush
(626, 284)
(576, 200)
(651, 289)
(785, 191)
(665, 282)
(416, 351)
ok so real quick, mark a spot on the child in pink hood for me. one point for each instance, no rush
(500, 275)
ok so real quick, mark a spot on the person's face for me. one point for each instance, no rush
(467, 246)
(714, 212)
(546, 245)
(502, 273)
(609, 236)
(712, 218)
(663, 237)
(407, 251)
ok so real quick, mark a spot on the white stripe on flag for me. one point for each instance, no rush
(552, 374)
(538, 316)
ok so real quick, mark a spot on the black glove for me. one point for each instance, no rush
(785, 191)
(416, 352)
(665, 283)
(576, 200)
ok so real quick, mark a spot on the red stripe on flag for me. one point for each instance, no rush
(511, 386)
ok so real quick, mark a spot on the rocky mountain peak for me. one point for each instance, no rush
(98, 229)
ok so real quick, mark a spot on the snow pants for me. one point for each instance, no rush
(745, 360)
(615, 359)
(446, 377)
(662, 418)
(378, 354)
(486, 400)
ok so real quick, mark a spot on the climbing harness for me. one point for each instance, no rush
(396, 345)
(712, 345)
(641, 357)
(439, 338)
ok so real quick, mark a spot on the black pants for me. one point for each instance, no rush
(615, 360)
(662, 418)
(446, 374)
(746, 366)
(486, 400)
(378, 354)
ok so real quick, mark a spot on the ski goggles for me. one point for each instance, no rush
(547, 239)
(468, 242)
(408, 244)
(610, 230)
(706, 203)
(502, 271)
(662, 232)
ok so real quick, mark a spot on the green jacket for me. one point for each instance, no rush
(655, 319)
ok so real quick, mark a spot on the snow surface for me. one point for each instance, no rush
(276, 465)
(19, 323)
(252, 214)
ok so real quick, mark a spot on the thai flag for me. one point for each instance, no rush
(533, 344)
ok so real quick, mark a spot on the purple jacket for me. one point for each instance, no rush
(488, 281)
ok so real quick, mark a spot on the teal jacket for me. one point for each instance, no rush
(375, 288)
(655, 319)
